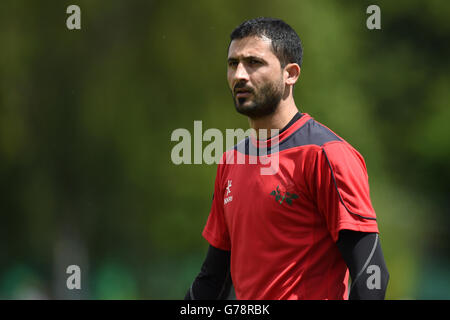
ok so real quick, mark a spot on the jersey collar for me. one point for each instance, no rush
(296, 122)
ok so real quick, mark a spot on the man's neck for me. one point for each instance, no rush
(276, 121)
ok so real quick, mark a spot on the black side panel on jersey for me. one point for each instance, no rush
(311, 133)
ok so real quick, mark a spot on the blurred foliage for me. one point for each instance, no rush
(86, 118)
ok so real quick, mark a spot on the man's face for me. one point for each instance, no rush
(255, 76)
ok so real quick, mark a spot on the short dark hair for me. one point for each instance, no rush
(286, 43)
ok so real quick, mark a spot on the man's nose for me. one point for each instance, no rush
(241, 73)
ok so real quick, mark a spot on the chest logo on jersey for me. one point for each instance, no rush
(281, 196)
(228, 198)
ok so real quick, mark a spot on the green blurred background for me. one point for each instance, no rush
(86, 118)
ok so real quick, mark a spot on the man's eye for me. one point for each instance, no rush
(253, 61)
(232, 63)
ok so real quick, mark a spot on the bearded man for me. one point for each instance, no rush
(302, 231)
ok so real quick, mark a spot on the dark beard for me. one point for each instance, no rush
(264, 103)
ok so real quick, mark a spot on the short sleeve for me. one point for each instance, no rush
(342, 189)
(216, 231)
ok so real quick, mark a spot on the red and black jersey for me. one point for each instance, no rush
(282, 228)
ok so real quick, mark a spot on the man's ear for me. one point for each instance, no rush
(292, 73)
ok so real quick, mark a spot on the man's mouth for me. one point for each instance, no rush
(242, 93)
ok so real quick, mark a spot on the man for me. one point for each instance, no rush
(296, 234)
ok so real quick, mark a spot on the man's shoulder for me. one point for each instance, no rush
(312, 133)
(316, 141)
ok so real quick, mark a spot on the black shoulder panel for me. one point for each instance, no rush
(311, 133)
